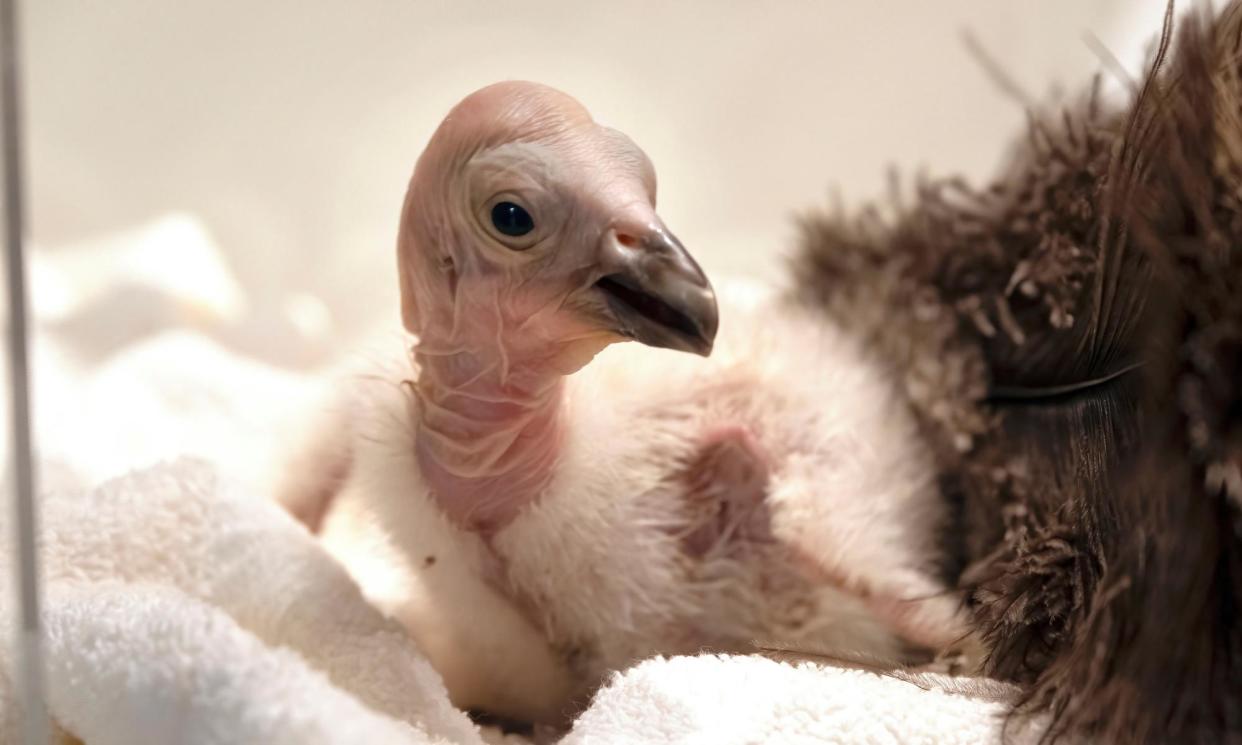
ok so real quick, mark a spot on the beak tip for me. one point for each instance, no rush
(707, 335)
(661, 296)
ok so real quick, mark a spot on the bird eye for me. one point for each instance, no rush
(512, 219)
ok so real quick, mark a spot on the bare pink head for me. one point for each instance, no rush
(531, 229)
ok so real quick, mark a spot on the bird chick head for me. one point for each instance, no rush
(530, 227)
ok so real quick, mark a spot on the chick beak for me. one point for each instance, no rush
(656, 292)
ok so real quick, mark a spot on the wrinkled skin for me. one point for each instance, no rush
(501, 319)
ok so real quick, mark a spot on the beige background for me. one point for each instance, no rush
(289, 127)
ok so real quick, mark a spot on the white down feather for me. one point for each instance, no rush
(594, 577)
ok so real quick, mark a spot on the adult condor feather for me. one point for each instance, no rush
(1071, 340)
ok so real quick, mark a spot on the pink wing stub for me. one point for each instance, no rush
(726, 483)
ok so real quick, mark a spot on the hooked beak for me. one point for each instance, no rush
(656, 292)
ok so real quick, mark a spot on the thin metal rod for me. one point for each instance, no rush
(29, 646)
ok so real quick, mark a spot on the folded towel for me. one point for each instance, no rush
(179, 610)
(131, 663)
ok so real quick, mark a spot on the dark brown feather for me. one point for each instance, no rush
(1071, 340)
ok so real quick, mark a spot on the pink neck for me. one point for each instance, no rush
(488, 436)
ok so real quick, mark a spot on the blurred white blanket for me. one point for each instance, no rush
(181, 606)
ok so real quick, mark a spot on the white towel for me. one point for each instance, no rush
(731, 700)
(178, 610)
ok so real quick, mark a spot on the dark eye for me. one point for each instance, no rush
(512, 219)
